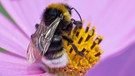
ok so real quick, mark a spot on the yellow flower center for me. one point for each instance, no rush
(87, 42)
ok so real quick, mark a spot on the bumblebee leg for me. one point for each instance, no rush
(36, 26)
(73, 45)
(75, 48)
(78, 24)
(33, 38)
(33, 35)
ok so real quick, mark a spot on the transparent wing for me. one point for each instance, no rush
(41, 40)
(47, 36)
(33, 51)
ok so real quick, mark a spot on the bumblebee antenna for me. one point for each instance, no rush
(77, 13)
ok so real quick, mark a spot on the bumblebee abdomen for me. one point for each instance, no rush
(55, 50)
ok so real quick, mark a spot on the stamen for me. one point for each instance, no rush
(71, 49)
(77, 34)
(88, 37)
(87, 28)
(87, 42)
(80, 40)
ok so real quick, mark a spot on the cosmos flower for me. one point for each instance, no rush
(114, 19)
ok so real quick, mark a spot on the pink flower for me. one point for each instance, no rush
(114, 19)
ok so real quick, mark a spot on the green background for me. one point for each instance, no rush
(7, 15)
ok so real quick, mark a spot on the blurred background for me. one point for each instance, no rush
(2, 10)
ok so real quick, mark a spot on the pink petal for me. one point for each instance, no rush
(12, 58)
(12, 65)
(46, 74)
(11, 38)
(26, 13)
(118, 64)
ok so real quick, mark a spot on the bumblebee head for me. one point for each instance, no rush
(55, 10)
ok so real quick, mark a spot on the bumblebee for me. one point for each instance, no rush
(46, 43)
